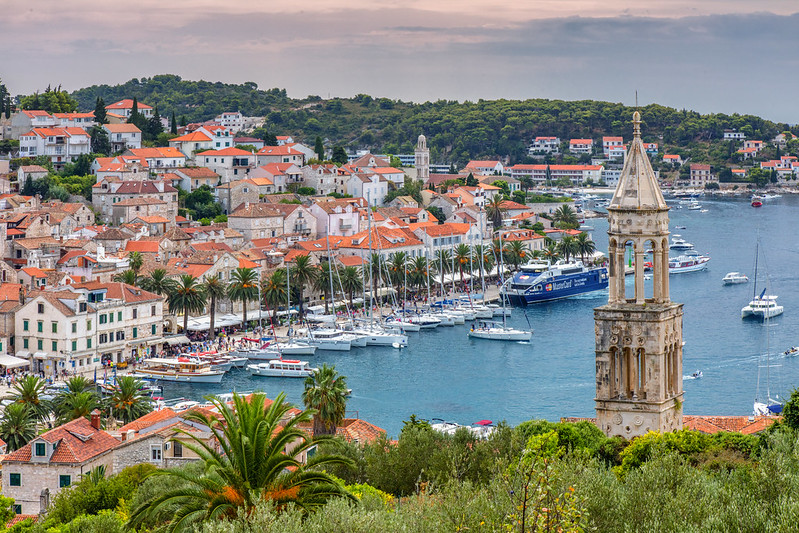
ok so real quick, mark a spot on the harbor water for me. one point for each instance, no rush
(444, 374)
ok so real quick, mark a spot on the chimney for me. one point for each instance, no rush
(96, 419)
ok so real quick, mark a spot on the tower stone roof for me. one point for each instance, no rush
(638, 188)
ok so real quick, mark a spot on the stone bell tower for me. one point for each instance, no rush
(638, 335)
(421, 158)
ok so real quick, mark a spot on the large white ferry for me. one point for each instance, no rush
(541, 282)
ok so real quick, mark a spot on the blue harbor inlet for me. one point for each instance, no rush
(444, 374)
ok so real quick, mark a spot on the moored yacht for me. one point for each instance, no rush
(688, 263)
(329, 339)
(734, 278)
(180, 369)
(763, 306)
(496, 331)
(282, 368)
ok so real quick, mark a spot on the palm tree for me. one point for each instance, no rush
(568, 247)
(127, 276)
(67, 400)
(72, 405)
(486, 262)
(375, 262)
(28, 391)
(17, 426)
(135, 260)
(214, 289)
(322, 283)
(127, 401)
(303, 273)
(495, 211)
(326, 393)
(417, 273)
(516, 253)
(463, 258)
(274, 291)
(186, 296)
(244, 287)
(443, 264)
(551, 253)
(157, 282)
(351, 281)
(247, 464)
(565, 217)
(397, 267)
(585, 246)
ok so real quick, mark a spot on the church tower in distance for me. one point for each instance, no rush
(421, 157)
(638, 335)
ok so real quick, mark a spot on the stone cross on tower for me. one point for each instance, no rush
(421, 157)
(638, 335)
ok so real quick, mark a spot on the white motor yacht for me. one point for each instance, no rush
(496, 331)
(425, 321)
(283, 368)
(688, 263)
(763, 306)
(291, 347)
(264, 353)
(404, 324)
(734, 278)
(678, 243)
(377, 336)
(332, 340)
(498, 310)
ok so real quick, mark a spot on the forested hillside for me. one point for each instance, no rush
(456, 131)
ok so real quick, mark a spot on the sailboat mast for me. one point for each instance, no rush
(482, 252)
(427, 269)
(502, 281)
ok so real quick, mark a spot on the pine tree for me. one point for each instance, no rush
(154, 126)
(173, 129)
(100, 116)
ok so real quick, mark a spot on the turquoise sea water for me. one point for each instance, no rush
(444, 374)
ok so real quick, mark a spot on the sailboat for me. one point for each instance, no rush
(762, 306)
(765, 405)
(497, 331)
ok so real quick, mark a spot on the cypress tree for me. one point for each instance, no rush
(173, 129)
(134, 113)
(319, 149)
(100, 115)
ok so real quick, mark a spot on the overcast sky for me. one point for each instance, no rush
(707, 55)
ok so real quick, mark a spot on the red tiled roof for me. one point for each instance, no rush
(122, 128)
(77, 441)
(127, 103)
(220, 246)
(224, 152)
(738, 424)
(142, 246)
(195, 136)
(149, 419)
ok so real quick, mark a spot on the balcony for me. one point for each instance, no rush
(345, 224)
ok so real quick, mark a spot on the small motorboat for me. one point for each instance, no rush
(757, 201)
(697, 375)
(792, 351)
(680, 227)
(734, 278)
